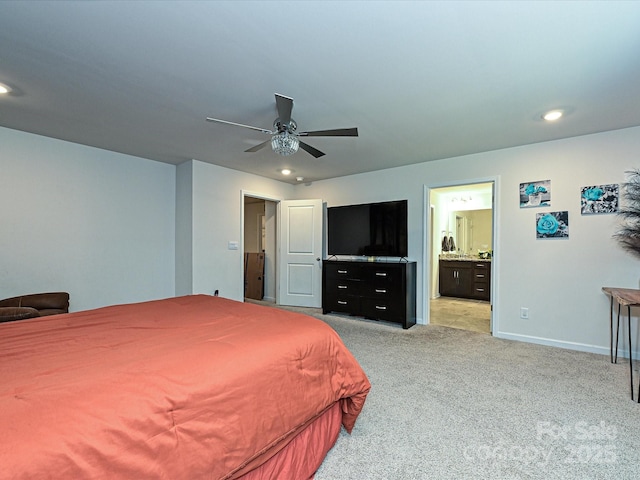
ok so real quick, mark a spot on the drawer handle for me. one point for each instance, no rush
(380, 290)
(479, 265)
(343, 271)
(479, 289)
(341, 302)
(480, 275)
(342, 286)
(381, 274)
(378, 307)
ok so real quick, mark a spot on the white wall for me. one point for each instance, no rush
(112, 228)
(101, 225)
(97, 224)
(217, 202)
(184, 229)
(558, 280)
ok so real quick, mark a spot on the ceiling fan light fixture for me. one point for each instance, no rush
(285, 144)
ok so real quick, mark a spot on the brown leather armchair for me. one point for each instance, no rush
(33, 305)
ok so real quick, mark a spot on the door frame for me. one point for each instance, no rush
(268, 198)
(427, 247)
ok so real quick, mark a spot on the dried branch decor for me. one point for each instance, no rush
(629, 234)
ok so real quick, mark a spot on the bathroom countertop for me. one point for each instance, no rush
(464, 259)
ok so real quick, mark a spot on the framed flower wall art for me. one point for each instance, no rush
(535, 194)
(552, 225)
(599, 199)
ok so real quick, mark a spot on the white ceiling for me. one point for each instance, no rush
(421, 80)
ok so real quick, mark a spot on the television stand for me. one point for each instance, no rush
(375, 290)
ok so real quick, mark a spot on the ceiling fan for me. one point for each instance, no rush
(284, 136)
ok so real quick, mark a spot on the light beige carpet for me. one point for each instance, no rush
(452, 404)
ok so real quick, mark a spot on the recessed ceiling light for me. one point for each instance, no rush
(553, 115)
(4, 89)
(285, 171)
(299, 179)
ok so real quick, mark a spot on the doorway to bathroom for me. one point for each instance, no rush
(460, 256)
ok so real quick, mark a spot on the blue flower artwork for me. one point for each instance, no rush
(535, 194)
(599, 199)
(552, 225)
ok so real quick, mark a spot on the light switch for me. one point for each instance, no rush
(233, 245)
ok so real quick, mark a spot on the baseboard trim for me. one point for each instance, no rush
(581, 347)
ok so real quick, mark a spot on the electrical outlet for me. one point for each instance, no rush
(524, 313)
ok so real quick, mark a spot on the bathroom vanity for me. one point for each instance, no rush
(465, 278)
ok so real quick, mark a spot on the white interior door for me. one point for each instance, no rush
(300, 260)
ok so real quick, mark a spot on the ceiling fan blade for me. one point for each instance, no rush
(284, 106)
(338, 132)
(260, 146)
(263, 130)
(309, 149)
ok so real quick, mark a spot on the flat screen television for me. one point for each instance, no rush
(372, 229)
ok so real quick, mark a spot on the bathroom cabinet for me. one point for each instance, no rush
(465, 279)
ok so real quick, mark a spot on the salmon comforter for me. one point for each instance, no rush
(183, 388)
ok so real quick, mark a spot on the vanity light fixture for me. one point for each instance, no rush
(552, 115)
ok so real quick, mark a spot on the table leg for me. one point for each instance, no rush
(617, 335)
(611, 329)
(630, 349)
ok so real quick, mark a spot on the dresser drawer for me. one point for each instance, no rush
(382, 290)
(384, 276)
(382, 310)
(336, 273)
(344, 286)
(341, 303)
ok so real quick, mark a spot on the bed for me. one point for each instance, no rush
(183, 388)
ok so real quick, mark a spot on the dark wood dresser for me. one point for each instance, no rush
(375, 290)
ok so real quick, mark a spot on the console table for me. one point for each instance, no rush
(627, 297)
(376, 290)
